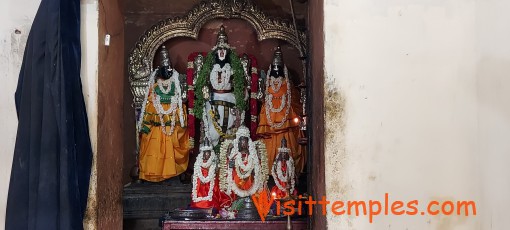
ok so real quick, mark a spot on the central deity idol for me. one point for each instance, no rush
(221, 92)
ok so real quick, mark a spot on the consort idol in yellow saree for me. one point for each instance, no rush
(164, 138)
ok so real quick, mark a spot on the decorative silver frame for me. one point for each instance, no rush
(190, 25)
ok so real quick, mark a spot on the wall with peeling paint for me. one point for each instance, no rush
(19, 15)
(422, 93)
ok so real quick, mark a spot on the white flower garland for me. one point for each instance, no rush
(286, 101)
(263, 162)
(226, 71)
(278, 174)
(282, 105)
(162, 83)
(176, 101)
(256, 177)
(210, 165)
(256, 165)
(244, 170)
(146, 98)
(278, 85)
(224, 181)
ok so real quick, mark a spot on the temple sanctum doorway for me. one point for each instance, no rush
(206, 107)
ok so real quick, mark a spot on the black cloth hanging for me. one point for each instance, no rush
(52, 157)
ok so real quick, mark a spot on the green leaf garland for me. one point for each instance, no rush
(203, 79)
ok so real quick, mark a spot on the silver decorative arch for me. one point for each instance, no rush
(140, 59)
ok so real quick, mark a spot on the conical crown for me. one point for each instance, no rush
(222, 40)
(164, 57)
(278, 56)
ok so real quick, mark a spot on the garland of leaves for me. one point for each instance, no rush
(203, 76)
(239, 81)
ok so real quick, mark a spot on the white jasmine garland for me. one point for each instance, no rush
(145, 100)
(261, 147)
(286, 100)
(282, 105)
(224, 181)
(165, 83)
(252, 190)
(244, 170)
(175, 101)
(256, 164)
(278, 81)
(226, 71)
(206, 124)
(210, 165)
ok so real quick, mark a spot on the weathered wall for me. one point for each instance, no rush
(14, 15)
(90, 44)
(19, 15)
(421, 91)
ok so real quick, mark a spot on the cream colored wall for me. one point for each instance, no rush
(425, 92)
(90, 55)
(14, 14)
(19, 14)
(493, 76)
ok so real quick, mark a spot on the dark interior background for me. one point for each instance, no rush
(140, 15)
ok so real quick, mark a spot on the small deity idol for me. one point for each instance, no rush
(205, 181)
(162, 125)
(245, 165)
(283, 173)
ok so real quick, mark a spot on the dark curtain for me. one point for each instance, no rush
(52, 157)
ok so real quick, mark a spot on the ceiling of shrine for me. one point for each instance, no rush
(160, 9)
(140, 15)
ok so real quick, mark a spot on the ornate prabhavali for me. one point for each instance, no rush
(140, 59)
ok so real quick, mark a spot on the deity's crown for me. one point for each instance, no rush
(164, 57)
(242, 131)
(284, 143)
(278, 56)
(207, 146)
(283, 148)
(222, 41)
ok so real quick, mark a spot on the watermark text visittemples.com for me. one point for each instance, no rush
(369, 208)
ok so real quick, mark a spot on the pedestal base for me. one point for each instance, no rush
(233, 224)
(144, 204)
(143, 201)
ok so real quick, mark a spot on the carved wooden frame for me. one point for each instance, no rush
(190, 25)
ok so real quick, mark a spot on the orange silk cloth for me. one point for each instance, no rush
(243, 184)
(162, 156)
(272, 137)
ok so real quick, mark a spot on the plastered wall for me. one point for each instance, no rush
(90, 44)
(421, 91)
(16, 18)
